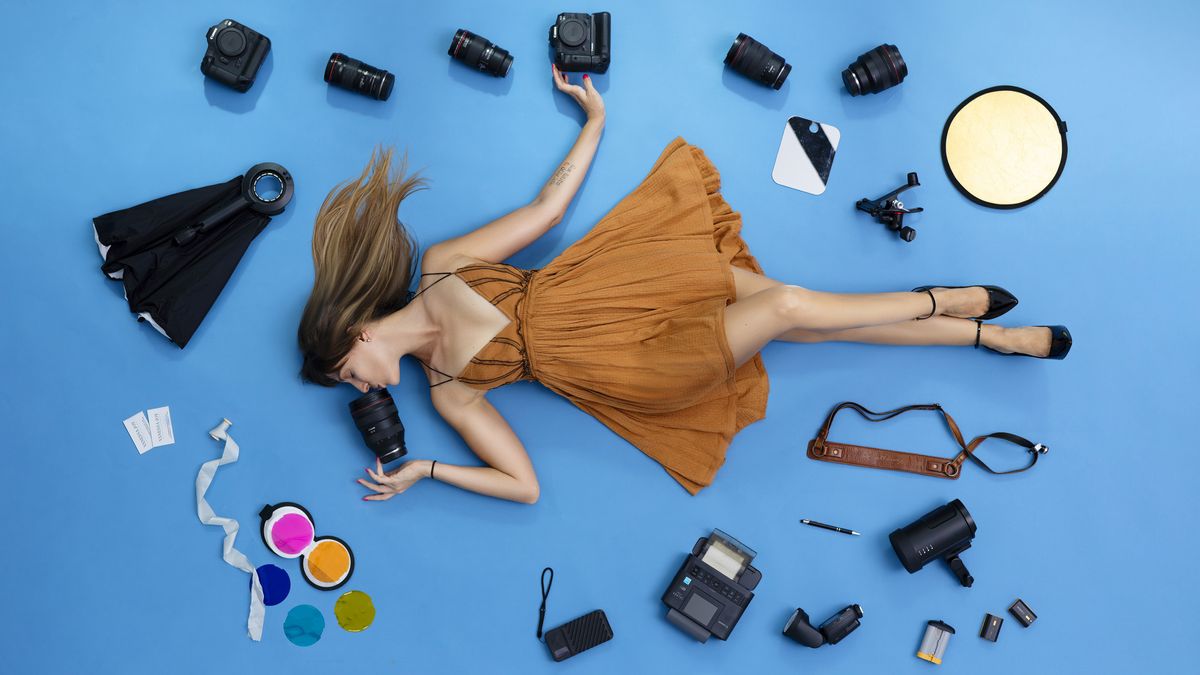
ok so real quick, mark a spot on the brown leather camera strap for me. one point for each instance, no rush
(821, 448)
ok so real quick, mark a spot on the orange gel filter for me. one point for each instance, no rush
(328, 562)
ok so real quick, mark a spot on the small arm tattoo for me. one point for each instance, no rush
(563, 171)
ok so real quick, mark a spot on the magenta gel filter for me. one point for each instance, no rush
(326, 562)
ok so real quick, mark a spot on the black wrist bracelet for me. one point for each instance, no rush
(431, 467)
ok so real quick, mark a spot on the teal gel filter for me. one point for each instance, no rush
(304, 625)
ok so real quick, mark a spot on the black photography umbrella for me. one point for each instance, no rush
(175, 254)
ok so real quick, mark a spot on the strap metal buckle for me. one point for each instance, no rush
(1040, 449)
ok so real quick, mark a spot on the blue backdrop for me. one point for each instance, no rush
(106, 568)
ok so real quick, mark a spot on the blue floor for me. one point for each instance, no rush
(106, 569)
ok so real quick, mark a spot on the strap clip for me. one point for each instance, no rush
(1040, 449)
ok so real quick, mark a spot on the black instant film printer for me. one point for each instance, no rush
(712, 588)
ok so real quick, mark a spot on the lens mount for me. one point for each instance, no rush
(231, 41)
(270, 207)
(572, 32)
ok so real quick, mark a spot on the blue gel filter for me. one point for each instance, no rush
(304, 625)
(276, 584)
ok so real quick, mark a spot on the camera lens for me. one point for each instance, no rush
(479, 53)
(347, 73)
(378, 421)
(231, 42)
(878, 69)
(752, 59)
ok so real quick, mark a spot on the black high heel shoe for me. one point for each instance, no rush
(1000, 301)
(1060, 342)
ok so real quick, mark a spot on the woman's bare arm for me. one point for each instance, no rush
(504, 236)
(509, 474)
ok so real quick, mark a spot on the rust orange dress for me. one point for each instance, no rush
(628, 323)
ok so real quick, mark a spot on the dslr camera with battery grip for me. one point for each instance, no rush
(234, 55)
(582, 42)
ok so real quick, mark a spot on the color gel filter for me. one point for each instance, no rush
(287, 529)
(304, 625)
(354, 611)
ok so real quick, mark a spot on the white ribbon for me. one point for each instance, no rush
(254, 622)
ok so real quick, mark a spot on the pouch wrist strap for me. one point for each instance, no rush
(822, 449)
(545, 594)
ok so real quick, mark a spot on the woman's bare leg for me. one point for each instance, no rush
(940, 330)
(764, 311)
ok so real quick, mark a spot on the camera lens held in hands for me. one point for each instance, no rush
(878, 69)
(347, 73)
(752, 59)
(478, 52)
(378, 421)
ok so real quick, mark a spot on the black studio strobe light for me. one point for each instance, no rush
(944, 532)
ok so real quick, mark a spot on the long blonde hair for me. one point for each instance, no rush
(363, 263)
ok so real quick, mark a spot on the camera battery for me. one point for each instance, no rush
(933, 645)
(1021, 610)
(991, 627)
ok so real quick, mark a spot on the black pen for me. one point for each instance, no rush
(823, 526)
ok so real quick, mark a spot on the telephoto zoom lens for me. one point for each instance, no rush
(752, 59)
(878, 69)
(378, 421)
(477, 52)
(347, 73)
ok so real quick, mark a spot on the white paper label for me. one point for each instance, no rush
(139, 430)
(161, 432)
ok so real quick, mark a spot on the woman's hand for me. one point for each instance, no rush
(392, 483)
(586, 96)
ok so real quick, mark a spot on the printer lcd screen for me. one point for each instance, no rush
(699, 609)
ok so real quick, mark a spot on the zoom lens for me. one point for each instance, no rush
(347, 73)
(477, 52)
(752, 59)
(378, 421)
(878, 69)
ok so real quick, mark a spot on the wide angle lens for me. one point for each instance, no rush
(378, 421)
(878, 69)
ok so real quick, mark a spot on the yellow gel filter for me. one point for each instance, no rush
(354, 611)
(328, 562)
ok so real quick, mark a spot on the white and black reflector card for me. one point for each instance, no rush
(806, 155)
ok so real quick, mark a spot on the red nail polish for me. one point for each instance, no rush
(586, 77)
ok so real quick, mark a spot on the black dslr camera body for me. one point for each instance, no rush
(582, 42)
(234, 54)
